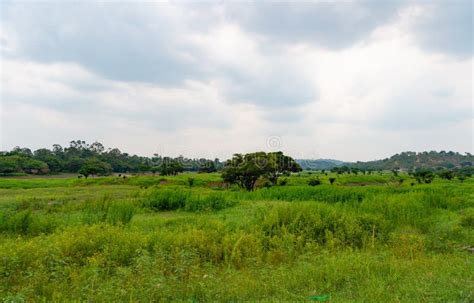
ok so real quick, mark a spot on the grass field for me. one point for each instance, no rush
(367, 238)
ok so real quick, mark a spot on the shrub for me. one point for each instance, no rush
(283, 182)
(314, 182)
(424, 175)
(331, 180)
(190, 182)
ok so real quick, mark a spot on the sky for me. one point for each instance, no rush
(352, 80)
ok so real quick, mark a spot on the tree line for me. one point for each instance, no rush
(242, 169)
(95, 159)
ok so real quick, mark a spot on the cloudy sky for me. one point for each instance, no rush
(345, 80)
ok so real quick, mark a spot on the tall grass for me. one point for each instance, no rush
(163, 199)
(106, 210)
(101, 241)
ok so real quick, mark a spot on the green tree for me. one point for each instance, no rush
(278, 164)
(48, 157)
(207, 166)
(9, 165)
(245, 170)
(446, 174)
(94, 166)
(33, 166)
(423, 175)
(170, 167)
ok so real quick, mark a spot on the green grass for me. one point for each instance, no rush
(145, 238)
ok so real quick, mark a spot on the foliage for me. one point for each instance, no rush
(446, 174)
(22, 164)
(410, 161)
(245, 170)
(70, 159)
(278, 164)
(170, 167)
(95, 167)
(208, 166)
(314, 182)
(423, 175)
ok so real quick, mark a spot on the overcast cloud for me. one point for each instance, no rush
(348, 80)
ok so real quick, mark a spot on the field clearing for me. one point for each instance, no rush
(366, 238)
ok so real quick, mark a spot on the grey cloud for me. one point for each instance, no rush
(448, 29)
(443, 26)
(119, 41)
(410, 112)
(332, 25)
(283, 88)
(172, 118)
(284, 115)
(131, 42)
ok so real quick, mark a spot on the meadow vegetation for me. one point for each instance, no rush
(364, 238)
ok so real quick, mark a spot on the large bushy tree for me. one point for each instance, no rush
(278, 165)
(95, 167)
(170, 167)
(245, 170)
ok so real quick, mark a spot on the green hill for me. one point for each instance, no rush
(423, 160)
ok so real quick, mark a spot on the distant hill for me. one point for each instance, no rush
(318, 164)
(412, 160)
(405, 161)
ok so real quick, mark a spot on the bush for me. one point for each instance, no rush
(331, 180)
(314, 182)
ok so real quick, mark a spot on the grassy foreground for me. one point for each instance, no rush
(140, 239)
